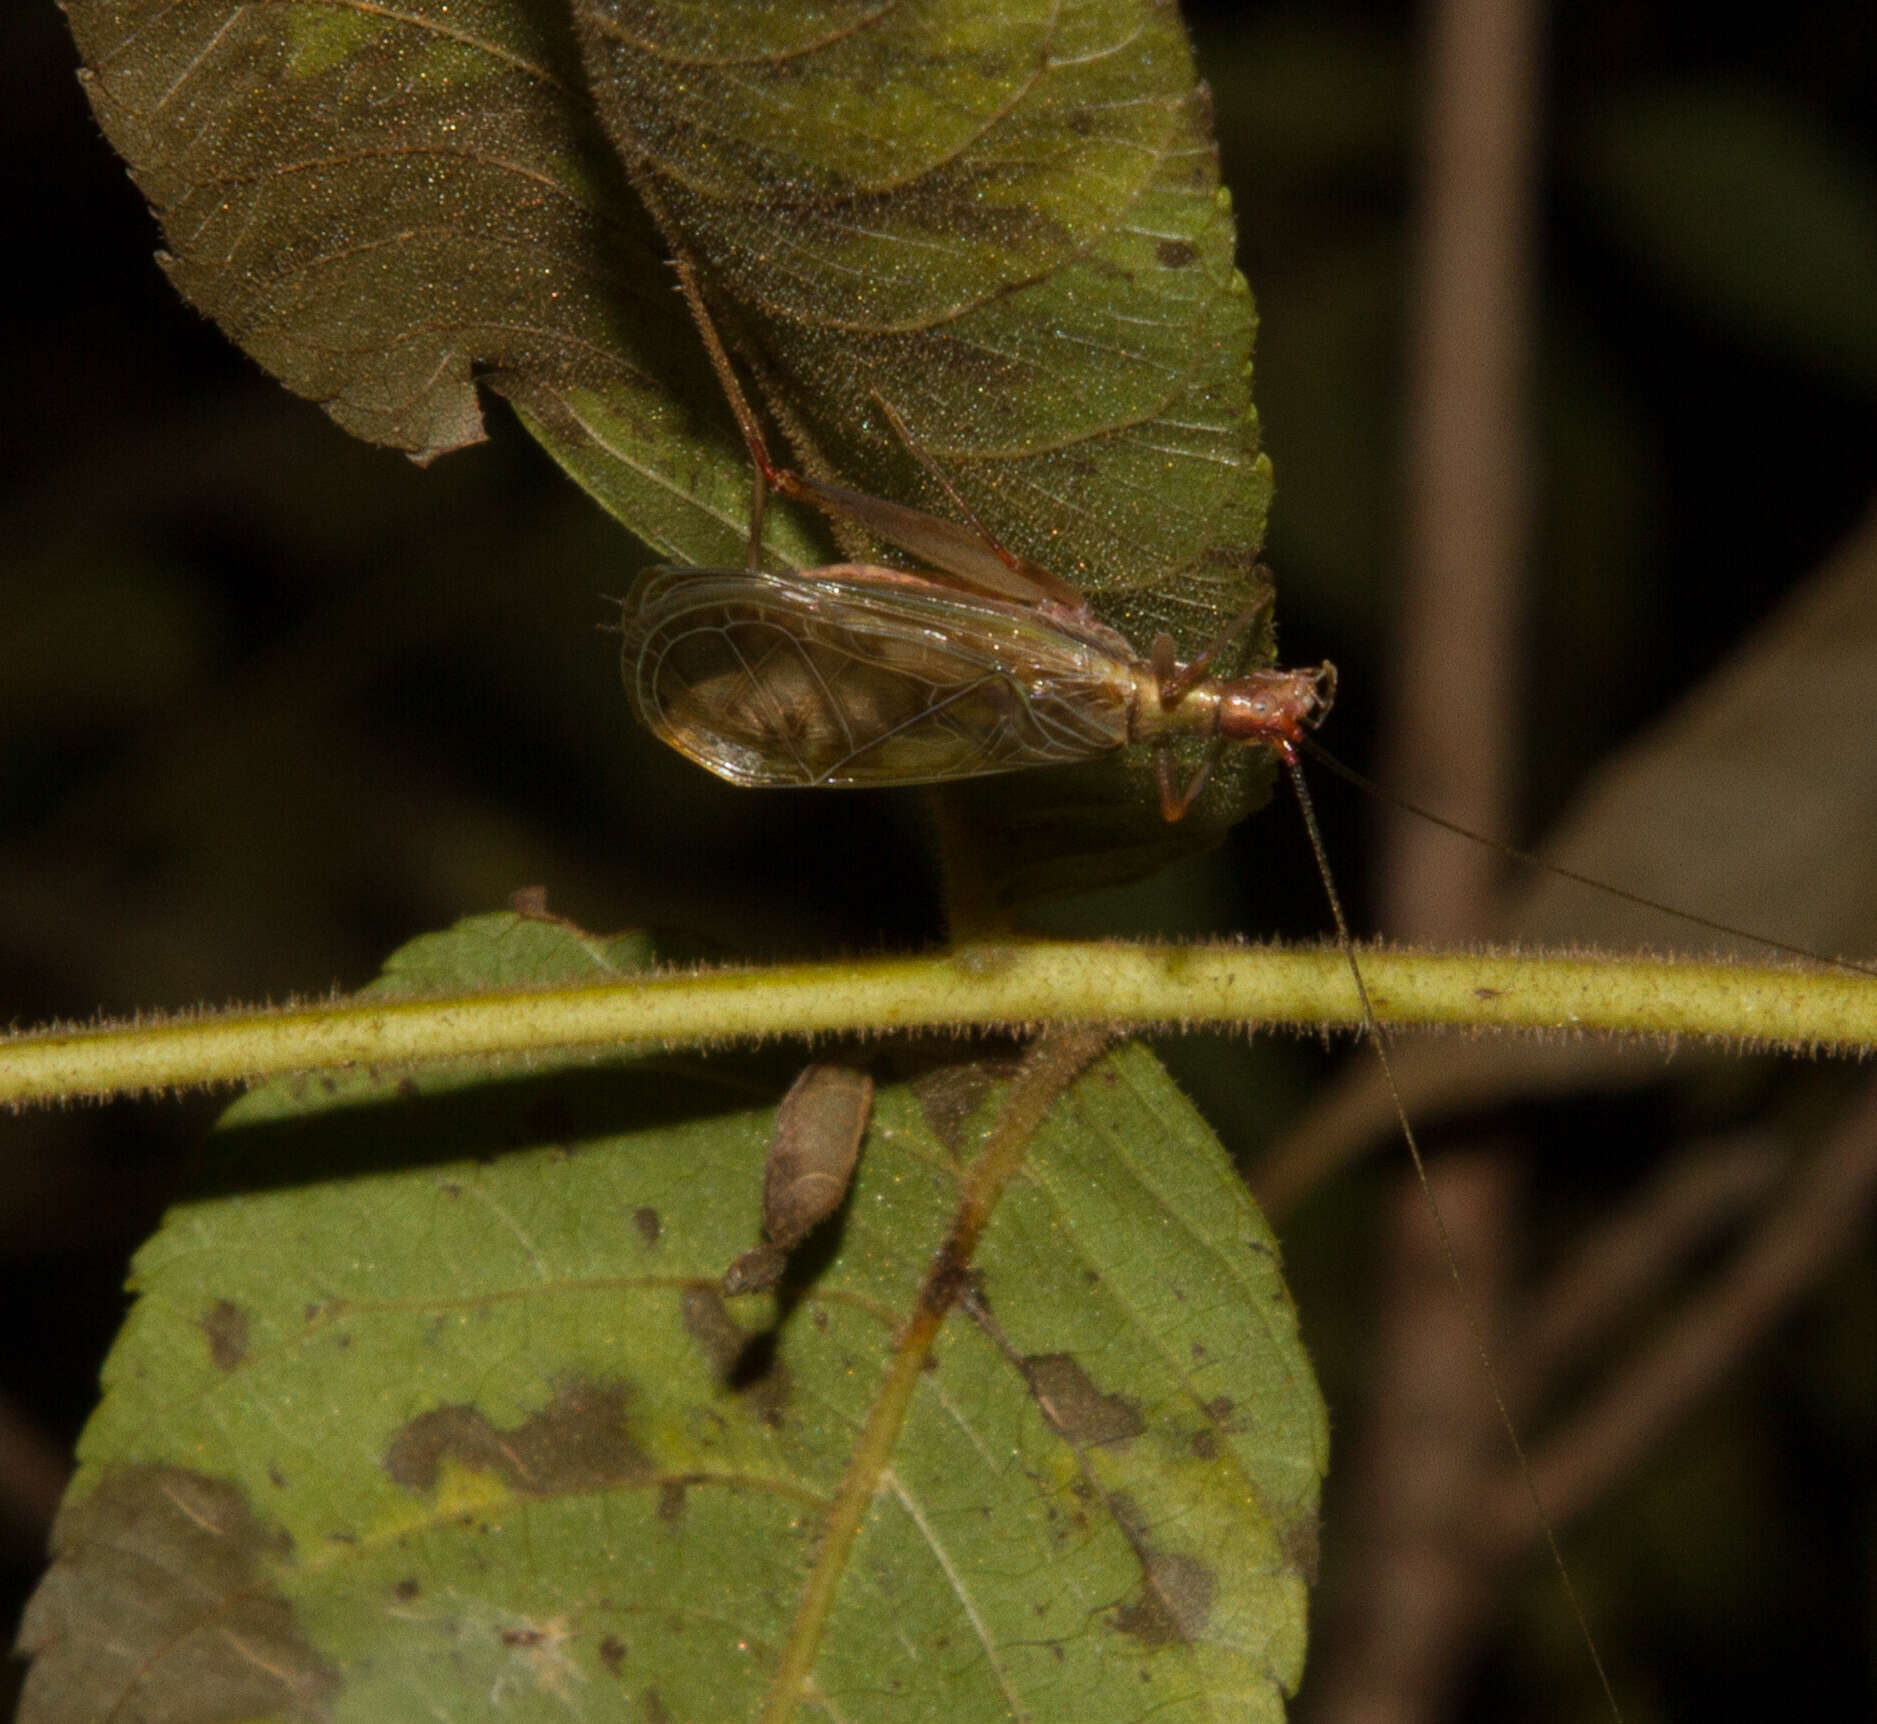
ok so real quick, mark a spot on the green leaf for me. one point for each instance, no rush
(1006, 221)
(384, 206)
(475, 1428)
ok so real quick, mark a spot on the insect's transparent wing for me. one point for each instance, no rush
(863, 676)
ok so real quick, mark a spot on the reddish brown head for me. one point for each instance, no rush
(1275, 706)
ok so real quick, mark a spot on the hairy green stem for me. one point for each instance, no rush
(1006, 986)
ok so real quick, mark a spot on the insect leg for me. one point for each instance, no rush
(1175, 799)
(936, 473)
(970, 554)
(746, 419)
(1177, 680)
(765, 473)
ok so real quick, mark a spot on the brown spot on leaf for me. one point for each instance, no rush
(951, 1092)
(1174, 1599)
(577, 1442)
(1175, 253)
(645, 1218)
(1172, 1604)
(1221, 1407)
(226, 1326)
(1075, 1406)
(158, 1607)
(947, 1278)
(1205, 1446)
(654, 1708)
(707, 1320)
(1302, 1543)
(671, 1498)
(613, 1655)
(406, 1589)
(756, 1271)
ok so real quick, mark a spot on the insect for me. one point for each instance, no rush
(860, 675)
(856, 674)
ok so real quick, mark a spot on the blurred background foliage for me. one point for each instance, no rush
(275, 701)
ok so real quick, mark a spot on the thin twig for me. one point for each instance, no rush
(1009, 987)
(1826, 1209)
(1455, 711)
(1708, 1187)
(1416, 1581)
(1419, 1592)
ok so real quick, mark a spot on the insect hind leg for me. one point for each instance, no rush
(937, 475)
(765, 475)
(1175, 798)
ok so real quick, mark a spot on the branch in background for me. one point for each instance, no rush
(1707, 1188)
(1418, 1585)
(1825, 1211)
(1419, 1592)
(1455, 707)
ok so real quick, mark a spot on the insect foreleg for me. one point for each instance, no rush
(1178, 680)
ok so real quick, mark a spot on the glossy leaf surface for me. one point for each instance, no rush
(475, 1430)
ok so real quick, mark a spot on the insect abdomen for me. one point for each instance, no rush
(861, 676)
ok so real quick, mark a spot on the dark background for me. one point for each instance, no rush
(275, 701)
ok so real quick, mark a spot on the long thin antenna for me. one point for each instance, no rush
(1377, 1038)
(1532, 860)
